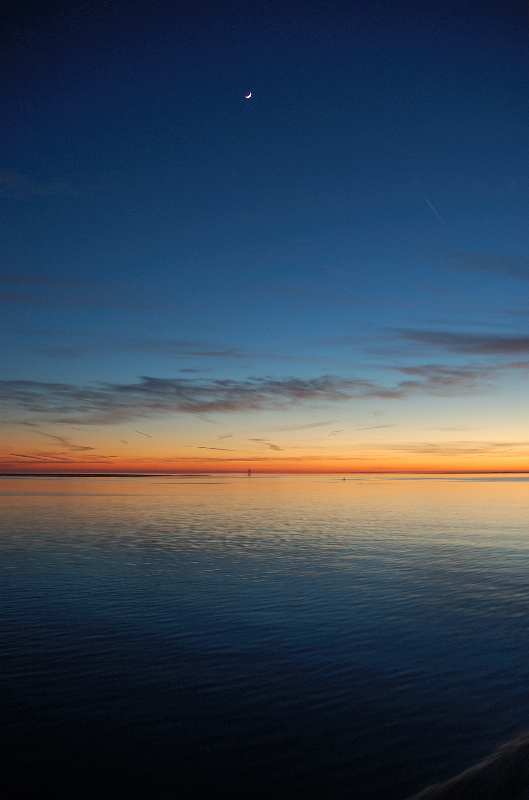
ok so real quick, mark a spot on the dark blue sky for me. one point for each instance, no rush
(359, 216)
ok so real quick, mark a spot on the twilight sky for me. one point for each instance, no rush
(332, 275)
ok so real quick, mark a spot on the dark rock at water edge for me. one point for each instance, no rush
(504, 775)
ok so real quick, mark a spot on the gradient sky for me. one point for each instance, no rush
(332, 275)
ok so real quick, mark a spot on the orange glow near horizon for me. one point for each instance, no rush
(287, 465)
(264, 444)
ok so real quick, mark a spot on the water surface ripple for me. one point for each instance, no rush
(300, 637)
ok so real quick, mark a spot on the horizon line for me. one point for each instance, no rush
(206, 473)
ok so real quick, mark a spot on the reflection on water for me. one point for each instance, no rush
(269, 636)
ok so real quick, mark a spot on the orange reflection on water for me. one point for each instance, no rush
(481, 507)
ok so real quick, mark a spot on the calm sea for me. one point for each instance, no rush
(278, 637)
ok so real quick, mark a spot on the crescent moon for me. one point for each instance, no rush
(248, 96)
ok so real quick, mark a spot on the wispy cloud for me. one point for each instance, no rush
(451, 428)
(64, 452)
(107, 403)
(501, 263)
(469, 343)
(16, 186)
(443, 381)
(225, 449)
(174, 347)
(47, 457)
(41, 457)
(301, 293)
(271, 445)
(67, 293)
(305, 427)
(372, 427)
(168, 347)
(460, 448)
(63, 441)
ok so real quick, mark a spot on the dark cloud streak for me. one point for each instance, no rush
(108, 403)
(302, 427)
(499, 263)
(469, 343)
(63, 441)
(271, 445)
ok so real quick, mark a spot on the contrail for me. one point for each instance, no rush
(437, 214)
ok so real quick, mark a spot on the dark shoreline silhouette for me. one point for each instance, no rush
(504, 775)
(105, 475)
